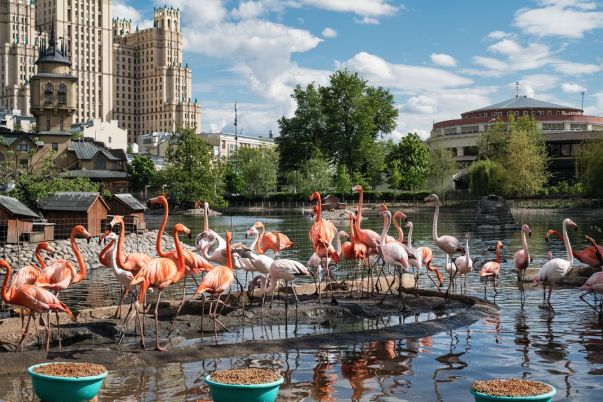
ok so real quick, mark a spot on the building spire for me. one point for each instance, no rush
(517, 89)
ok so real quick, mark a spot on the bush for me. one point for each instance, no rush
(486, 177)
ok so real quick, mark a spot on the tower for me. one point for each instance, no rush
(53, 88)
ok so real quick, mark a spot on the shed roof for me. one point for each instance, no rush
(16, 208)
(96, 174)
(70, 201)
(130, 201)
(85, 150)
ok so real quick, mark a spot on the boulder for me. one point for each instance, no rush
(492, 213)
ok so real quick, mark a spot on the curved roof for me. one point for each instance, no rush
(52, 54)
(523, 102)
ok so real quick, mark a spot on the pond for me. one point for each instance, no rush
(565, 350)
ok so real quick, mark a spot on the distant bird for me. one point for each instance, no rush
(34, 298)
(491, 269)
(8, 187)
(555, 270)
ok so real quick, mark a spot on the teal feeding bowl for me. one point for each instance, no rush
(266, 392)
(479, 397)
(65, 389)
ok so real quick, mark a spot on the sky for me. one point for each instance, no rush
(439, 58)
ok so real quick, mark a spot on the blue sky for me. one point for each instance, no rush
(439, 58)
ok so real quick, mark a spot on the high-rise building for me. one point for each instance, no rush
(18, 51)
(85, 26)
(152, 88)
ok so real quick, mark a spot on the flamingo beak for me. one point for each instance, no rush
(190, 235)
(530, 233)
(88, 239)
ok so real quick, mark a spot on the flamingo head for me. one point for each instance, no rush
(570, 223)
(158, 200)
(251, 232)
(228, 237)
(431, 198)
(382, 209)
(467, 235)
(343, 233)
(499, 245)
(47, 247)
(408, 225)
(205, 206)
(400, 215)
(111, 236)
(80, 230)
(117, 219)
(548, 234)
(180, 228)
(357, 188)
(526, 229)
(315, 196)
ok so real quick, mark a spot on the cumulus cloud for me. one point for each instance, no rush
(597, 108)
(329, 32)
(199, 13)
(442, 59)
(512, 57)
(121, 10)
(569, 68)
(572, 88)
(371, 9)
(563, 18)
(536, 85)
(496, 35)
(248, 9)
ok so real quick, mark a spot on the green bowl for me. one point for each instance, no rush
(65, 389)
(266, 392)
(479, 397)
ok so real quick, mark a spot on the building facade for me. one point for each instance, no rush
(85, 27)
(107, 132)
(19, 43)
(153, 89)
(225, 144)
(564, 129)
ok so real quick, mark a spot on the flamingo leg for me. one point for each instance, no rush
(548, 300)
(121, 300)
(20, 346)
(141, 324)
(173, 323)
(47, 327)
(157, 347)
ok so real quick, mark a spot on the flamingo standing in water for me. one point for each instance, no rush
(555, 270)
(34, 298)
(588, 255)
(393, 252)
(216, 282)
(275, 241)
(369, 237)
(321, 235)
(462, 265)
(522, 257)
(491, 269)
(448, 244)
(594, 285)
(425, 254)
(160, 273)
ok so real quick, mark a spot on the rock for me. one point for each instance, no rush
(493, 213)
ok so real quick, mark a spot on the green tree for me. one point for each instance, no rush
(526, 165)
(255, 170)
(486, 177)
(409, 162)
(316, 174)
(493, 142)
(342, 180)
(190, 172)
(142, 172)
(590, 167)
(443, 166)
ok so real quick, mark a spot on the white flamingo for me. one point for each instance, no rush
(123, 277)
(393, 252)
(448, 244)
(556, 269)
(462, 265)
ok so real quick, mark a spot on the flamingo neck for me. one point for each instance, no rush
(360, 201)
(468, 257)
(228, 256)
(113, 255)
(341, 233)
(568, 247)
(498, 254)
(179, 254)
(352, 233)
(81, 275)
(409, 237)
(387, 219)
(399, 230)
(5, 296)
(166, 212)
(319, 209)
(120, 245)
(434, 232)
(254, 242)
(204, 249)
(258, 248)
(205, 218)
(39, 258)
(524, 245)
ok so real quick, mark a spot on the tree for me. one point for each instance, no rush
(316, 174)
(343, 121)
(142, 172)
(486, 177)
(443, 165)
(254, 170)
(590, 167)
(342, 180)
(190, 172)
(409, 163)
(493, 142)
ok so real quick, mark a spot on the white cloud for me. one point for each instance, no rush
(570, 68)
(363, 8)
(563, 18)
(248, 9)
(496, 35)
(536, 85)
(121, 10)
(597, 108)
(571, 88)
(199, 13)
(329, 32)
(253, 118)
(442, 59)
(515, 57)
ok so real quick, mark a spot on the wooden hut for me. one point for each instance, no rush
(16, 220)
(330, 202)
(131, 209)
(67, 209)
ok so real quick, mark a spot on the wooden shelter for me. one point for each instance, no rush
(131, 209)
(16, 220)
(67, 209)
(330, 202)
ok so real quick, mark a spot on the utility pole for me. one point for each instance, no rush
(236, 124)
(582, 107)
(517, 89)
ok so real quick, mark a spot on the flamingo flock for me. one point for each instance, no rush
(378, 256)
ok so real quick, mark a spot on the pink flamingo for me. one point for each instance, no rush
(522, 257)
(275, 241)
(28, 274)
(594, 285)
(425, 255)
(590, 255)
(160, 273)
(130, 262)
(491, 269)
(555, 270)
(216, 282)
(321, 235)
(393, 252)
(366, 236)
(399, 215)
(34, 298)
(448, 244)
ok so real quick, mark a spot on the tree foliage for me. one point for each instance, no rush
(409, 163)
(142, 172)
(342, 120)
(442, 166)
(253, 171)
(486, 177)
(590, 167)
(342, 180)
(316, 174)
(191, 174)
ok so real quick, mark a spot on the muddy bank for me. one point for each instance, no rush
(93, 337)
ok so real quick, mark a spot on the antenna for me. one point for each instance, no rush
(582, 95)
(517, 89)
(236, 123)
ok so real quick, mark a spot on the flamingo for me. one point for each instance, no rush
(594, 285)
(159, 273)
(250, 261)
(463, 264)
(216, 282)
(131, 262)
(425, 254)
(555, 270)
(598, 248)
(34, 298)
(522, 257)
(392, 253)
(321, 235)
(588, 255)
(399, 215)
(491, 269)
(366, 236)
(123, 277)
(448, 244)
(275, 241)
(28, 274)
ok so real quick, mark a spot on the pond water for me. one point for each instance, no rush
(565, 350)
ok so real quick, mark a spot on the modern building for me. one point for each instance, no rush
(19, 42)
(153, 90)
(86, 32)
(225, 144)
(14, 120)
(565, 129)
(155, 143)
(107, 132)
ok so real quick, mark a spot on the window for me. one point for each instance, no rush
(23, 163)
(23, 146)
(552, 127)
(55, 146)
(48, 90)
(469, 129)
(62, 94)
(449, 131)
(99, 162)
(578, 127)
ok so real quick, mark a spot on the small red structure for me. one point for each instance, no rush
(16, 219)
(131, 209)
(68, 209)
